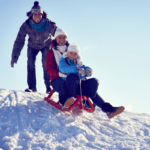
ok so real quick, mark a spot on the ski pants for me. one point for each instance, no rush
(71, 88)
(31, 73)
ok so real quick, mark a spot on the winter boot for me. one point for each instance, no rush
(30, 90)
(68, 103)
(112, 111)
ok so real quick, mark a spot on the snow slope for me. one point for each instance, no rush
(27, 122)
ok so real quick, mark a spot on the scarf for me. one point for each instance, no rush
(62, 49)
(40, 27)
(58, 53)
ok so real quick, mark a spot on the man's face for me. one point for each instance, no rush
(37, 17)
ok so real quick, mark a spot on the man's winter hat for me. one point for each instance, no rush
(59, 31)
(36, 8)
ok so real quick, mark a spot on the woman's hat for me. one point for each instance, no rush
(59, 31)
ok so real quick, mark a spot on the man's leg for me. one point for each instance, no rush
(31, 75)
(46, 75)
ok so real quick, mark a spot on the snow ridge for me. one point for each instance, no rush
(27, 122)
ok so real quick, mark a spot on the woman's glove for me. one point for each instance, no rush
(81, 71)
(88, 72)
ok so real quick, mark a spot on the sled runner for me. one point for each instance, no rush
(78, 102)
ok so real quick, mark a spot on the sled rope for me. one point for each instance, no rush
(81, 98)
(81, 92)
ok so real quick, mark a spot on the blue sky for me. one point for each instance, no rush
(113, 36)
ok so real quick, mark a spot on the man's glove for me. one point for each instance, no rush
(81, 71)
(14, 60)
(88, 72)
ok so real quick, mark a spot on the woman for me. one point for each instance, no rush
(70, 87)
(39, 30)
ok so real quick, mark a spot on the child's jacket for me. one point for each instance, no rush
(68, 66)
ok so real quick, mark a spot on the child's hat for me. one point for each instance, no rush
(74, 48)
(59, 31)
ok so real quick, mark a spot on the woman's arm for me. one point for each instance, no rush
(51, 65)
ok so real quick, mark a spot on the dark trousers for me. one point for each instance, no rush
(31, 74)
(71, 88)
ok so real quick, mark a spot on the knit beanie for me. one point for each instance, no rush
(59, 31)
(73, 48)
(36, 8)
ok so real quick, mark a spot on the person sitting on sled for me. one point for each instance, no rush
(69, 88)
(71, 63)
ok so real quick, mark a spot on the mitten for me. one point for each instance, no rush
(88, 72)
(81, 71)
(14, 60)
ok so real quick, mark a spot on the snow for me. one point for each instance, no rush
(27, 122)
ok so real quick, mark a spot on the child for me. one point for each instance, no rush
(71, 63)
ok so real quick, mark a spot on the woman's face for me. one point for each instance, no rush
(72, 55)
(37, 17)
(61, 40)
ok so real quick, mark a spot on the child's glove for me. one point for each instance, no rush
(88, 72)
(81, 71)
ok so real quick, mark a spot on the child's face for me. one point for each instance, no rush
(61, 40)
(72, 55)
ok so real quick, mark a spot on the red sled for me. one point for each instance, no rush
(78, 102)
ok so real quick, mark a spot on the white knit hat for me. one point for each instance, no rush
(59, 31)
(73, 48)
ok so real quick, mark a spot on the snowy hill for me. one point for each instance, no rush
(27, 122)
